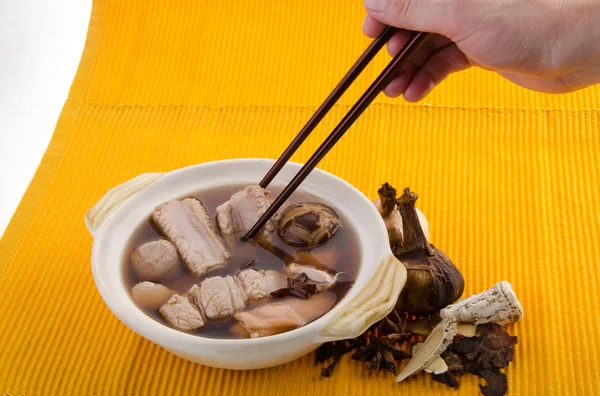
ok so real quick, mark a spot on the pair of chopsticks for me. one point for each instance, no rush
(396, 64)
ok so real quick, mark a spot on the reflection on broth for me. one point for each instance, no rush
(187, 268)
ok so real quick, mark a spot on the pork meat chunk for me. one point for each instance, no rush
(243, 210)
(221, 297)
(187, 224)
(181, 313)
(260, 284)
(277, 317)
(155, 260)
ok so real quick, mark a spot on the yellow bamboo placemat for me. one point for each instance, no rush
(508, 178)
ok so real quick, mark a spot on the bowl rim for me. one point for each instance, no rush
(162, 334)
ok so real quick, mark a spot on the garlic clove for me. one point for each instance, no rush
(498, 304)
(437, 342)
(433, 280)
(393, 223)
(151, 295)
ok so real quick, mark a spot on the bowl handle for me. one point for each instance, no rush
(115, 197)
(372, 304)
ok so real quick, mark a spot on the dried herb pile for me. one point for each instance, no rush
(483, 355)
(381, 347)
(388, 342)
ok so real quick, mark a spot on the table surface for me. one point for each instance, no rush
(507, 178)
(38, 60)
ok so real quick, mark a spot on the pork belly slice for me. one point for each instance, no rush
(187, 224)
(280, 316)
(181, 313)
(221, 297)
(260, 284)
(243, 210)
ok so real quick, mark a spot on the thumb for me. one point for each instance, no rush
(431, 16)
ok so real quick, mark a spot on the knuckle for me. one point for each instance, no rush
(402, 7)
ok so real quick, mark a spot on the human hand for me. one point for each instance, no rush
(543, 45)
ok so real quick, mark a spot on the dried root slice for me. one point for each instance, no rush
(437, 342)
(373, 303)
(498, 304)
(438, 366)
(467, 330)
(323, 279)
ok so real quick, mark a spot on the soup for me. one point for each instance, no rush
(187, 268)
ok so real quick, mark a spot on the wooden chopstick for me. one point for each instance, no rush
(333, 97)
(386, 76)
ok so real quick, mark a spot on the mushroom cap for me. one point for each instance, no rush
(308, 224)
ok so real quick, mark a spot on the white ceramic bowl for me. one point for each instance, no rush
(113, 220)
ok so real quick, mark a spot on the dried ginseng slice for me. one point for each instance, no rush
(437, 342)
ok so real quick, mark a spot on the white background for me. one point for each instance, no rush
(41, 43)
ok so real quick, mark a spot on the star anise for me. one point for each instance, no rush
(395, 327)
(379, 346)
(297, 287)
(333, 350)
(381, 353)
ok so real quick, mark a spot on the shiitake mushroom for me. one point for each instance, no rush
(433, 280)
(308, 224)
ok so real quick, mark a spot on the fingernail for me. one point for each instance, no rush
(376, 5)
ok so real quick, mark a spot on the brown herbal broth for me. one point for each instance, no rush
(344, 241)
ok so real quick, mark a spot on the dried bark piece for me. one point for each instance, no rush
(498, 304)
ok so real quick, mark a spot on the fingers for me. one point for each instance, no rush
(397, 42)
(434, 16)
(439, 66)
(372, 27)
(399, 84)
